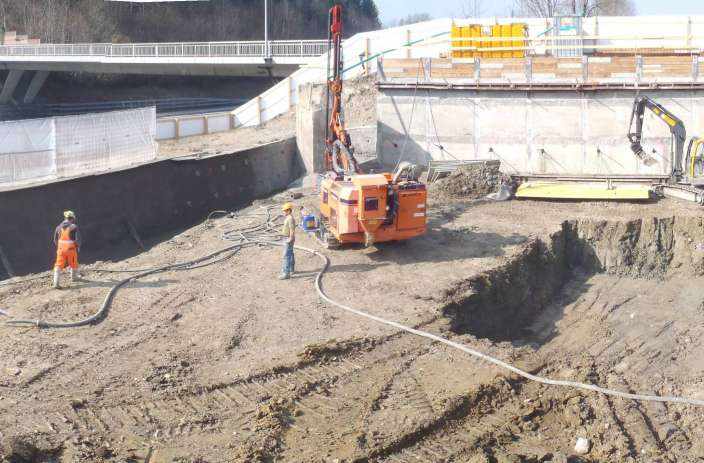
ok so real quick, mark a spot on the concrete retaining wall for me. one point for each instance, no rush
(310, 129)
(155, 198)
(530, 132)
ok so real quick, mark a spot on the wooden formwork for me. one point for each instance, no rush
(538, 69)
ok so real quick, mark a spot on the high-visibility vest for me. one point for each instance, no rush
(65, 241)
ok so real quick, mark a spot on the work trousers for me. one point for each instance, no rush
(289, 261)
(66, 256)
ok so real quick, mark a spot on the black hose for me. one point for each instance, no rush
(249, 235)
(107, 302)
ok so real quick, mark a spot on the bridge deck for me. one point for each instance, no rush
(202, 58)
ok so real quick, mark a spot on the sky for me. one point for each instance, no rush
(391, 10)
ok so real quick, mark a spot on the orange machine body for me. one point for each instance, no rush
(370, 208)
(357, 207)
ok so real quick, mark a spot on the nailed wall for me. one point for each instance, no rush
(155, 198)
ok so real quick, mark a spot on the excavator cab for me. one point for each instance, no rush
(694, 162)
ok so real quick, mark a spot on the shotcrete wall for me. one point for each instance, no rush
(154, 198)
(530, 132)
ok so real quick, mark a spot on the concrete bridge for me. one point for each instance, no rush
(256, 58)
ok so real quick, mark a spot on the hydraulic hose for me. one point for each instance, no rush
(107, 302)
(488, 358)
(266, 230)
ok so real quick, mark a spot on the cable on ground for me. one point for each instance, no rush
(264, 233)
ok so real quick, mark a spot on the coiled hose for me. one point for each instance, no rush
(260, 234)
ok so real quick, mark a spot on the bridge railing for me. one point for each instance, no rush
(280, 48)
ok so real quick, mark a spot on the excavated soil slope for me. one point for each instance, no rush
(226, 363)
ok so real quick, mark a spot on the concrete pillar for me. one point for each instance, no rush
(310, 127)
(13, 78)
(35, 86)
(408, 43)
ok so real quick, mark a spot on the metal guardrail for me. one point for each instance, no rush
(280, 48)
(163, 106)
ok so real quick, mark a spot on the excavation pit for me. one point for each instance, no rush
(597, 293)
(504, 303)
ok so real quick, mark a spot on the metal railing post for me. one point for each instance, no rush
(267, 53)
(289, 48)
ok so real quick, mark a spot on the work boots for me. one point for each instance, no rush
(75, 275)
(57, 274)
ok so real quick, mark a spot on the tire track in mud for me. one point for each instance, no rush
(62, 370)
(170, 417)
(640, 427)
(648, 431)
(474, 426)
(224, 406)
(338, 390)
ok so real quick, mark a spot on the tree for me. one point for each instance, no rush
(61, 21)
(473, 8)
(414, 18)
(604, 7)
(540, 8)
(549, 8)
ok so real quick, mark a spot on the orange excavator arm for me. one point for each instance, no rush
(339, 152)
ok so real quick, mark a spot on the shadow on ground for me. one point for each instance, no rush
(444, 244)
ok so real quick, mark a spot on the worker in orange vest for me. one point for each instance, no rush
(67, 239)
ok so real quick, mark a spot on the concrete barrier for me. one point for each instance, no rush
(155, 198)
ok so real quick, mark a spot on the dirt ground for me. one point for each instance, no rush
(226, 363)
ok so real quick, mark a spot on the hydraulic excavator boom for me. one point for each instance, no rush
(673, 122)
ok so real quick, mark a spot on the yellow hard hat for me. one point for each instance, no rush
(69, 215)
(287, 207)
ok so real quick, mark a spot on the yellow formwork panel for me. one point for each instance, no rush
(476, 33)
(499, 36)
(456, 34)
(486, 44)
(518, 30)
(506, 31)
(495, 33)
(467, 34)
(582, 191)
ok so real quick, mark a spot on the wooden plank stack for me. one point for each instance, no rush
(654, 69)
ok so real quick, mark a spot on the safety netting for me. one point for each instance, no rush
(27, 150)
(70, 146)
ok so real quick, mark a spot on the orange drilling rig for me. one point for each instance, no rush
(356, 207)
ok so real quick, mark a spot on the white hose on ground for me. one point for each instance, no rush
(266, 230)
(488, 358)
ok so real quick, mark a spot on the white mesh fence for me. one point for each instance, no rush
(69, 146)
(104, 141)
(27, 150)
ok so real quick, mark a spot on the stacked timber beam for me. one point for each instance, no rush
(656, 71)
